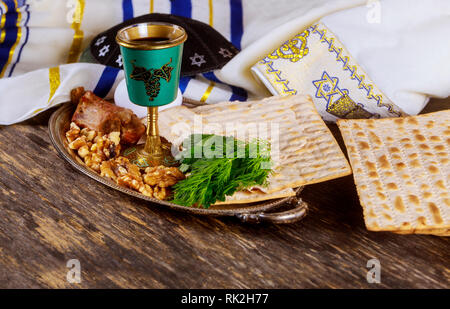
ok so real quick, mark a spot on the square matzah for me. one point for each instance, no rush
(401, 168)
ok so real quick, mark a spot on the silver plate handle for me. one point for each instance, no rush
(289, 216)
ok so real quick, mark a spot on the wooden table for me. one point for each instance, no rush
(49, 214)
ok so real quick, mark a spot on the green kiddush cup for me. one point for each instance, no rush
(151, 55)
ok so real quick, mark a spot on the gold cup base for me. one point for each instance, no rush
(140, 156)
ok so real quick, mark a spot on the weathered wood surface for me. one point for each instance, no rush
(49, 213)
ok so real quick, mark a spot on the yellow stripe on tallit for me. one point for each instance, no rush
(152, 6)
(75, 48)
(54, 81)
(19, 37)
(37, 111)
(2, 20)
(207, 92)
(2, 31)
(211, 13)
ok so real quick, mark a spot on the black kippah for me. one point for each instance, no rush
(205, 49)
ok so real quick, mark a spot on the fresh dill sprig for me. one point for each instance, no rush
(218, 166)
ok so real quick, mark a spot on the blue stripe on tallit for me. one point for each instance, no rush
(184, 81)
(11, 29)
(212, 77)
(106, 81)
(27, 34)
(181, 8)
(127, 8)
(237, 22)
(239, 94)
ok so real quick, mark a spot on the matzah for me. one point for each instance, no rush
(308, 152)
(246, 197)
(401, 168)
(436, 232)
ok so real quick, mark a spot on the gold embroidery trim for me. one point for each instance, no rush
(330, 40)
(19, 37)
(75, 48)
(290, 51)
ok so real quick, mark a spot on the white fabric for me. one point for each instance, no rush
(406, 55)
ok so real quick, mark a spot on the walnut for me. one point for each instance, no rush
(105, 147)
(98, 136)
(101, 152)
(122, 166)
(83, 151)
(89, 161)
(106, 170)
(125, 174)
(78, 143)
(135, 184)
(128, 175)
(114, 137)
(162, 176)
(90, 134)
(94, 147)
(147, 190)
(130, 182)
(73, 133)
(161, 193)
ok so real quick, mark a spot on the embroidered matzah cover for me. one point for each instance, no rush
(315, 62)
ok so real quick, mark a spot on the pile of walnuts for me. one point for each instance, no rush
(93, 147)
(101, 152)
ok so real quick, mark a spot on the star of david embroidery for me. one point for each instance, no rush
(103, 51)
(100, 41)
(225, 53)
(197, 60)
(326, 87)
(119, 61)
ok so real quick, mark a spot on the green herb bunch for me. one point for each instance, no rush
(218, 166)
